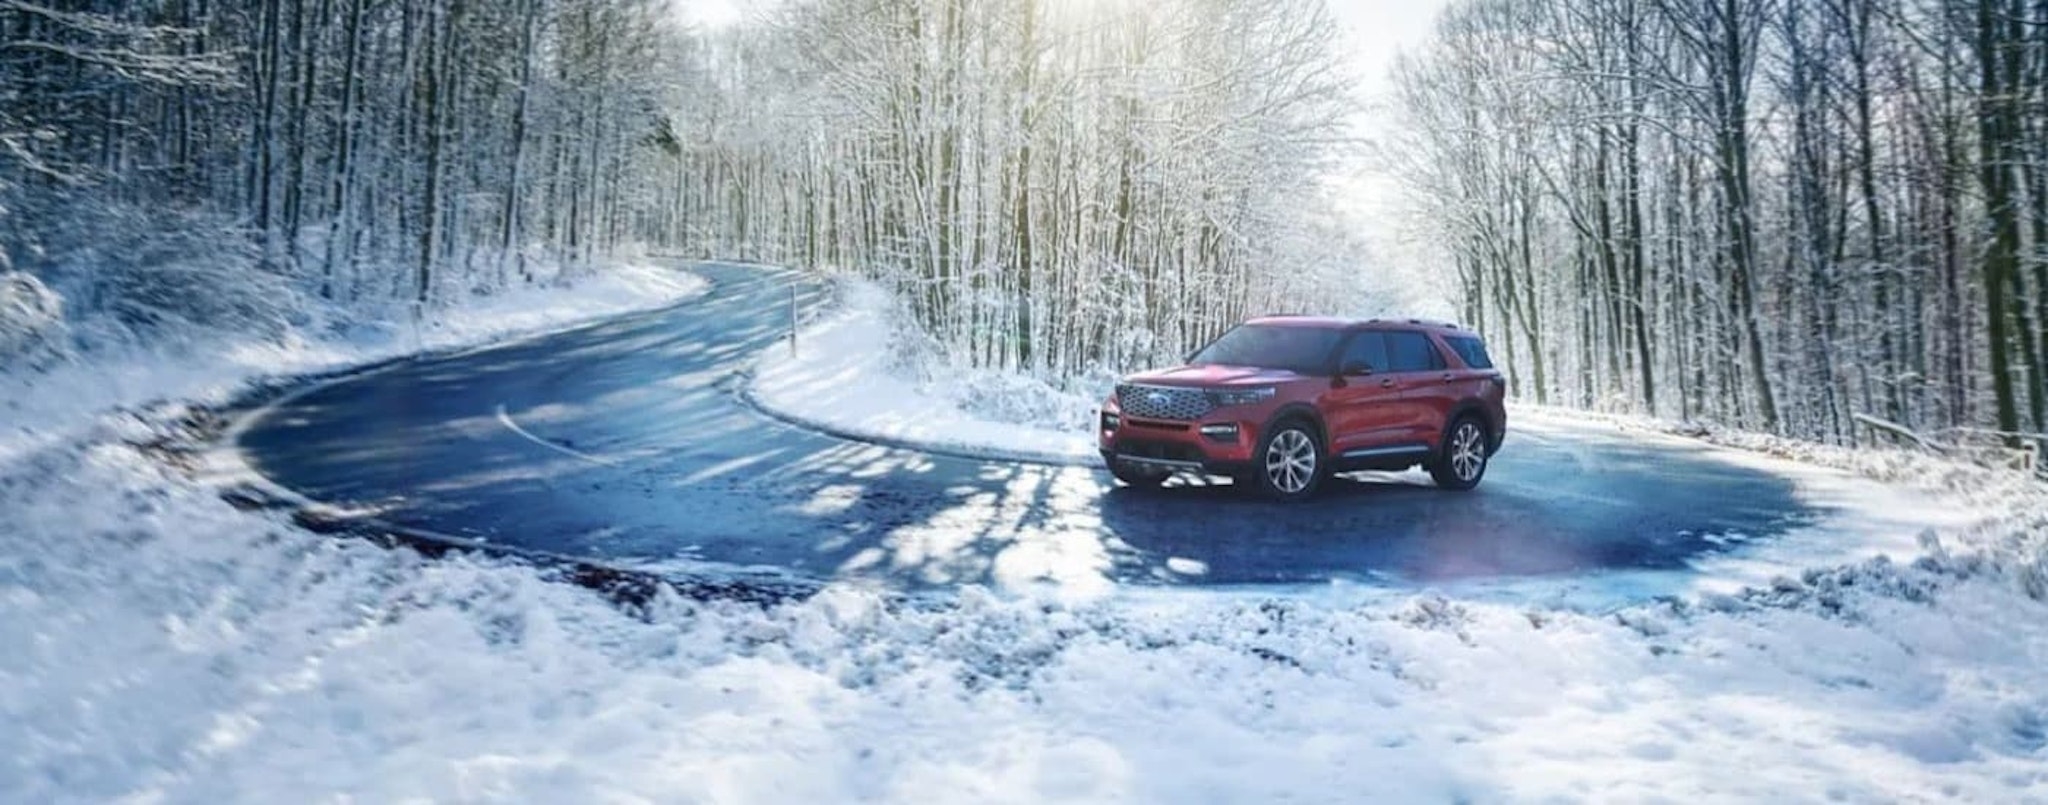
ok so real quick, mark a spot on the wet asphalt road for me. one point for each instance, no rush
(625, 441)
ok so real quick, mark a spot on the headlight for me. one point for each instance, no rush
(1241, 396)
(1111, 421)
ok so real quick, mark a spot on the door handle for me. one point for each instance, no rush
(1448, 377)
(1387, 383)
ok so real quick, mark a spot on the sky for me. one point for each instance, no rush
(1376, 32)
(1377, 29)
(1380, 29)
(712, 13)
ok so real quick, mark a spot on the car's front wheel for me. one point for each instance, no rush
(1288, 463)
(1461, 461)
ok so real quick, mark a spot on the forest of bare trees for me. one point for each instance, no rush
(1049, 186)
(1052, 187)
(1794, 216)
(204, 160)
(1782, 214)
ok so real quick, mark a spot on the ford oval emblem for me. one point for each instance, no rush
(1156, 398)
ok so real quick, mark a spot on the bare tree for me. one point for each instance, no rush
(1770, 207)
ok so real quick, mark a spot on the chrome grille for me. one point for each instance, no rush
(1162, 402)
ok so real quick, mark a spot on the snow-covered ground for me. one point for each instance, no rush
(855, 373)
(162, 647)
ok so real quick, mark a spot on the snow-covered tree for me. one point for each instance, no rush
(1775, 213)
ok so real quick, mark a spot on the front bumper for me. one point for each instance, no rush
(1217, 446)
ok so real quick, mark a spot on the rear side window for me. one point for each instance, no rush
(1471, 350)
(1412, 352)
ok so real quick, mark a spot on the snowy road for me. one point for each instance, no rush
(624, 441)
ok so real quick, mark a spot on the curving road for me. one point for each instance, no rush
(625, 441)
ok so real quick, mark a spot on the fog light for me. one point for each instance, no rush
(1221, 433)
(1111, 421)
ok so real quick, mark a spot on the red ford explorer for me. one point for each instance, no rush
(1279, 403)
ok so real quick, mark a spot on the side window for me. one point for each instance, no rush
(1367, 348)
(1412, 352)
(1472, 350)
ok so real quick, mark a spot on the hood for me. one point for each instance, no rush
(1213, 376)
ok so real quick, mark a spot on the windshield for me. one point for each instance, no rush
(1296, 349)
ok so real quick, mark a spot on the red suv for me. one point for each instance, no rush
(1279, 403)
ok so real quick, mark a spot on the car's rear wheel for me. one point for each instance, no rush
(1137, 476)
(1288, 463)
(1461, 461)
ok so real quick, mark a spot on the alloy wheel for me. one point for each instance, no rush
(1468, 452)
(1291, 461)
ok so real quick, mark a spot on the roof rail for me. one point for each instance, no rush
(1417, 322)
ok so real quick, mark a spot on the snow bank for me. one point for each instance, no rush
(41, 406)
(163, 647)
(853, 374)
(1878, 463)
(31, 320)
(2009, 508)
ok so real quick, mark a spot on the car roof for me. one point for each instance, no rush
(1333, 322)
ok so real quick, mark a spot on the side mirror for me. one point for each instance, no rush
(1356, 369)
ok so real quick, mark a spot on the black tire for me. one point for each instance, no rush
(1461, 461)
(1138, 477)
(1288, 463)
